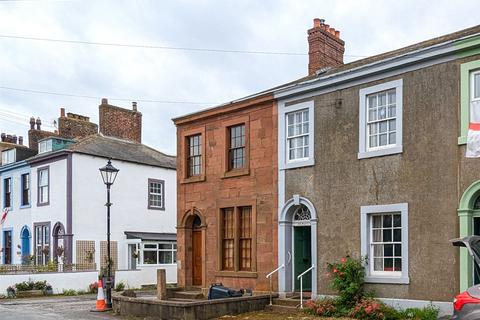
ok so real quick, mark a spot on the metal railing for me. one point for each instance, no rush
(53, 267)
(269, 276)
(300, 277)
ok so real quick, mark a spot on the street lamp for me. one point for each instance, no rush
(109, 173)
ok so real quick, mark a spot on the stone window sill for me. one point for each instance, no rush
(236, 173)
(193, 179)
(236, 274)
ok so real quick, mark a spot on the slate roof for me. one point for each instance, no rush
(118, 149)
(352, 65)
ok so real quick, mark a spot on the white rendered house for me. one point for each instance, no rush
(66, 214)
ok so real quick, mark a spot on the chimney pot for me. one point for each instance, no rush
(14, 139)
(337, 34)
(104, 101)
(322, 21)
(32, 123)
(9, 138)
(20, 140)
(317, 22)
(62, 112)
(134, 106)
(4, 136)
(39, 124)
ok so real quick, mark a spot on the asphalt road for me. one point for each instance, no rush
(74, 308)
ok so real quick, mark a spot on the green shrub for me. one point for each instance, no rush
(120, 286)
(429, 312)
(70, 292)
(347, 279)
(31, 285)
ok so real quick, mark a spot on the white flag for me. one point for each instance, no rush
(473, 137)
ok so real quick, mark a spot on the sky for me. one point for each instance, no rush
(170, 83)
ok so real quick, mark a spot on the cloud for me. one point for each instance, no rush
(368, 27)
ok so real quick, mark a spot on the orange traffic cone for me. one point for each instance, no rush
(100, 298)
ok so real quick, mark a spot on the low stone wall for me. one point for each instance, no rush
(195, 310)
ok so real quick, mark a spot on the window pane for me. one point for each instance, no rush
(397, 235)
(398, 250)
(392, 112)
(372, 114)
(378, 250)
(373, 141)
(388, 264)
(392, 138)
(383, 126)
(382, 99)
(392, 125)
(150, 246)
(388, 250)
(398, 264)
(392, 97)
(290, 118)
(397, 220)
(377, 221)
(377, 236)
(378, 264)
(372, 101)
(382, 113)
(383, 140)
(165, 257)
(150, 257)
(164, 246)
(387, 235)
(476, 86)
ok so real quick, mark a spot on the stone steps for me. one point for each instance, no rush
(281, 309)
(190, 295)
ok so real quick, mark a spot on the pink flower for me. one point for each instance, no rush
(343, 260)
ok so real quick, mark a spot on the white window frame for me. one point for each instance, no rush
(394, 277)
(45, 146)
(9, 156)
(157, 250)
(364, 150)
(285, 163)
(472, 85)
(161, 194)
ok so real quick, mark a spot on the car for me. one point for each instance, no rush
(466, 305)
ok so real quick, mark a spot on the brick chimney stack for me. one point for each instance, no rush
(75, 126)
(119, 122)
(325, 48)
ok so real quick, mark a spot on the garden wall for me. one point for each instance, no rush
(80, 280)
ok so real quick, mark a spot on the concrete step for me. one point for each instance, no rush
(286, 302)
(281, 309)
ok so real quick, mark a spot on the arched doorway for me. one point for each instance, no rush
(25, 236)
(58, 241)
(297, 247)
(197, 268)
(191, 250)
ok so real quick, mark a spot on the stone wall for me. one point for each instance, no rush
(255, 186)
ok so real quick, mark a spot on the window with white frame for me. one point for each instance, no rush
(475, 85)
(297, 134)
(8, 156)
(43, 186)
(159, 252)
(384, 243)
(156, 194)
(45, 146)
(380, 121)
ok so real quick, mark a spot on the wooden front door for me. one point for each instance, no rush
(197, 257)
(7, 247)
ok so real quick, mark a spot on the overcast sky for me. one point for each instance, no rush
(205, 78)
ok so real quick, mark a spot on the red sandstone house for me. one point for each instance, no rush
(227, 194)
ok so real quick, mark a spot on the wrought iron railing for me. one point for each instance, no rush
(52, 267)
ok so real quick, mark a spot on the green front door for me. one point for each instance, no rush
(302, 258)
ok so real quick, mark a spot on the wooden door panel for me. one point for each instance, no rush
(197, 257)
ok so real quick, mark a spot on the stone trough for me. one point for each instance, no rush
(179, 304)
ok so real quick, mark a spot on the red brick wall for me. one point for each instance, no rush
(119, 122)
(213, 191)
(75, 126)
(325, 47)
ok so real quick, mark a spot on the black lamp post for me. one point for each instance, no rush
(109, 173)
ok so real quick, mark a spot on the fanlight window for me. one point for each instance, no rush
(476, 205)
(302, 216)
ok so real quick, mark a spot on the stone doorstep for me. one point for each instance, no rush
(287, 302)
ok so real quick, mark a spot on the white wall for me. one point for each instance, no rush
(146, 275)
(71, 280)
(129, 196)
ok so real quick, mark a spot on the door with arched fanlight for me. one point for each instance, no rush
(302, 247)
(25, 246)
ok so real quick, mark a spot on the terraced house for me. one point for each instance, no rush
(371, 163)
(56, 198)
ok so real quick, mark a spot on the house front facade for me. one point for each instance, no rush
(384, 174)
(227, 194)
(66, 215)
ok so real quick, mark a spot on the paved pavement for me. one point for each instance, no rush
(52, 308)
